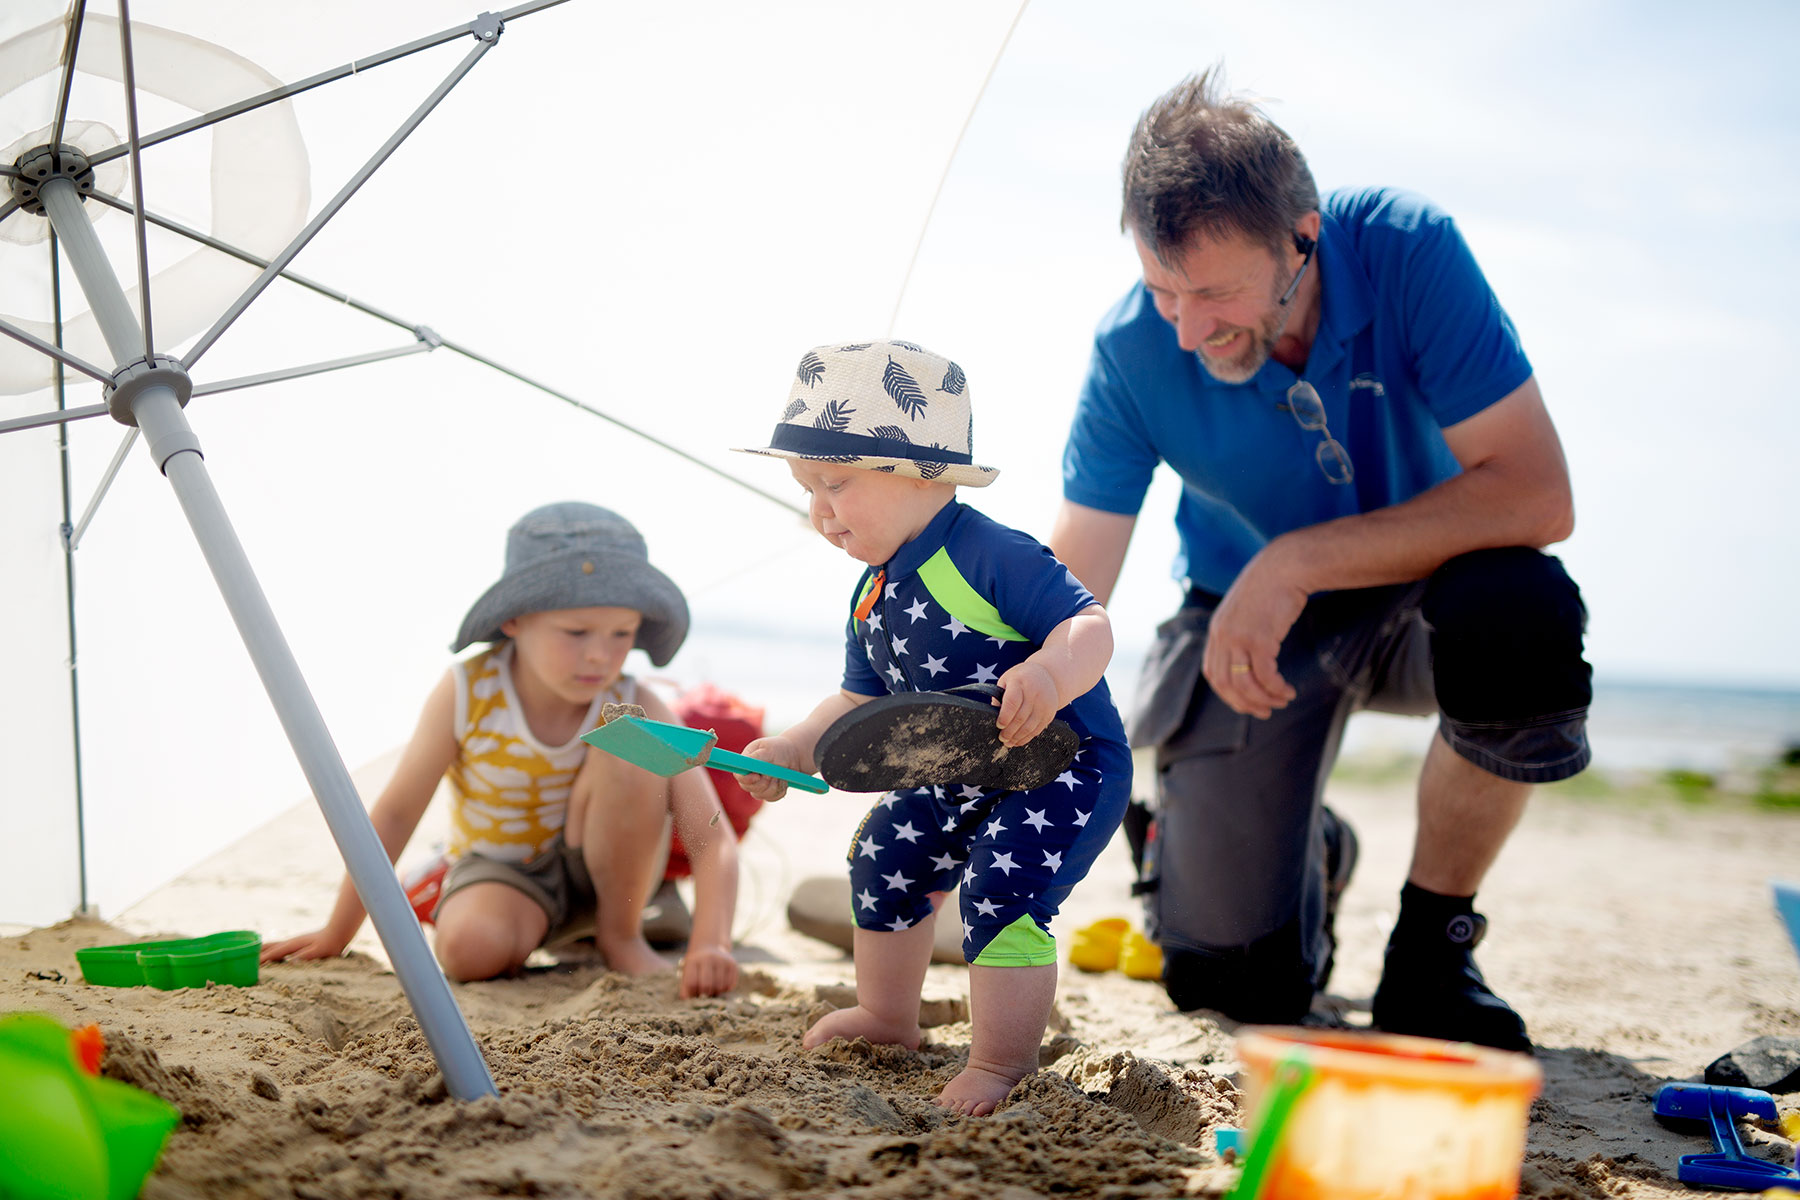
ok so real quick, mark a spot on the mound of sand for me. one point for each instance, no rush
(1639, 943)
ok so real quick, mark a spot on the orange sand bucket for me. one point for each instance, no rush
(1385, 1117)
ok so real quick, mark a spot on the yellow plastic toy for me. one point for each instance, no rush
(1141, 958)
(1096, 946)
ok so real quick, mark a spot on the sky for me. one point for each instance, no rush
(658, 212)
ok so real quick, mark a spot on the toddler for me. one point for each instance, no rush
(547, 834)
(878, 436)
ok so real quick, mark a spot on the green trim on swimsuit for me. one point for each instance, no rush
(1021, 944)
(948, 587)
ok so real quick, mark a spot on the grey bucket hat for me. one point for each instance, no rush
(575, 555)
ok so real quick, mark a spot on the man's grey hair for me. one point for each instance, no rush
(1204, 163)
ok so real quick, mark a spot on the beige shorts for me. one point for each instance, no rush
(556, 880)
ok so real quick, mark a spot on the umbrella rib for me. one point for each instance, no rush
(67, 86)
(9, 208)
(106, 482)
(55, 416)
(137, 176)
(318, 368)
(255, 260)
(652, 439)
(56, 352)
(250, 104)
(62, 447)
(337, 202)
(345, 298)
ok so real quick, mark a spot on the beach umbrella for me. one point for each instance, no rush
(155, 222)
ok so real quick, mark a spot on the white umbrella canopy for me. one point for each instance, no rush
(654, 212)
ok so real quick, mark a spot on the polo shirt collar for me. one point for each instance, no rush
(1347, 299)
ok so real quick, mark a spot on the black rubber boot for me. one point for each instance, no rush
(1430, 986)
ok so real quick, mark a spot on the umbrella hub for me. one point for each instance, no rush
(130, 380)
(43, 163)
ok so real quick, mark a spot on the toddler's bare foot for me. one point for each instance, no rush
(978, 1091)
(860, 1022)
(633, 956)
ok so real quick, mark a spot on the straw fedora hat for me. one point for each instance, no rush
(881, 406)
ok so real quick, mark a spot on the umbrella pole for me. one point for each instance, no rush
(149, 393)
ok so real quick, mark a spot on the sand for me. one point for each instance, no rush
(1637, 939)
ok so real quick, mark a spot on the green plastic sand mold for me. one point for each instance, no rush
(228, 958)
(66, 1134)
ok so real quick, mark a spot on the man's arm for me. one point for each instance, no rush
(1091, 543)
(1513, 491)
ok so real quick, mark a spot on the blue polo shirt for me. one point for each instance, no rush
(964, 602)
(1410, 340)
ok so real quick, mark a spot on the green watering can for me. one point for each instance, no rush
(66, 1133)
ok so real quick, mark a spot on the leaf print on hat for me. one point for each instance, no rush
(931, 470)
(835, 416)
(810, 369)
(908, 346)
(854, 346)
(793, 410)
(904, 389)
(954, 381)
(891, 433)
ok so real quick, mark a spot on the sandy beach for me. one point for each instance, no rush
(1635, 935)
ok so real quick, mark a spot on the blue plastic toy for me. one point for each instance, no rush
(1787, 903)
(1727, 1166)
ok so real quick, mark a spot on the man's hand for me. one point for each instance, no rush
(1028, 703)
(1245, 637)
(707, 970)
(779, 750)
(320, 943)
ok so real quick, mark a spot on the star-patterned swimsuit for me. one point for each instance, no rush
(962, 603)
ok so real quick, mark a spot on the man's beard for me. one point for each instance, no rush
(1245, 365)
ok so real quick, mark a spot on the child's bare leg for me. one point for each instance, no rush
(1008, 1007)
(488, 929)
(890, 973)
(621, 846)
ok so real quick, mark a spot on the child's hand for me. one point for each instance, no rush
(1028, 705)
(318, 944)
(779, 750)
(708, 970)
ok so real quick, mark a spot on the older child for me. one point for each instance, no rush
(878, 435)
(546, 834)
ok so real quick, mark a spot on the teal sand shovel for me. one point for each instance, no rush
(665, 749)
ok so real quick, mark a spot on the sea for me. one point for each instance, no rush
(1635, 724)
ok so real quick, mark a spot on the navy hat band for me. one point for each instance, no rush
(814, 442)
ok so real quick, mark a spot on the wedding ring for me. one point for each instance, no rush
(1240, 668)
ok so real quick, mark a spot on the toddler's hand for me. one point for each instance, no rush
(707, 971)
(1028, 704)
(778, 750)
(318, 944)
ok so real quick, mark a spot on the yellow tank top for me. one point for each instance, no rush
(510, 792)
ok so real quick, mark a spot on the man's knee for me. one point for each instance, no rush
(1506, 637)
(1267, 983)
